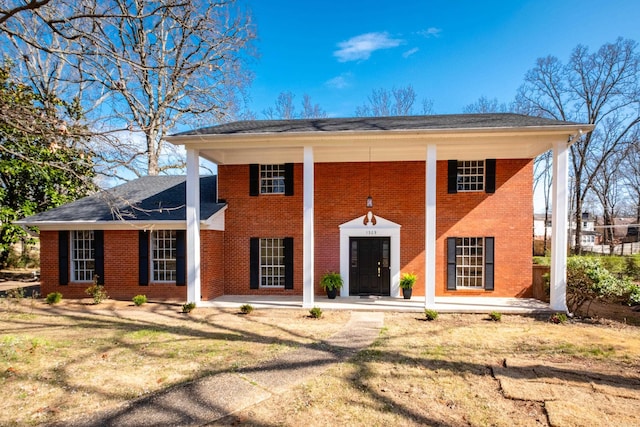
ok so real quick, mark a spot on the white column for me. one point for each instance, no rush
(308, 238)
(430, 228)
(193, 226)
(559, 221)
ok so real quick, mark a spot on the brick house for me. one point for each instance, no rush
(446, 197)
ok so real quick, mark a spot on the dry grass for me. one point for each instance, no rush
(60, 361)
(446, 372)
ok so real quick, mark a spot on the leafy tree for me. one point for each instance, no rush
(40, 167)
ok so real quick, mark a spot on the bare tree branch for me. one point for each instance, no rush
(600, 88)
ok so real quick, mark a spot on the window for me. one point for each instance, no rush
(83, 256)
(271, 263)
(470, 176)
(272, 267)
(163, 255)
(470, 263)
(272, 179)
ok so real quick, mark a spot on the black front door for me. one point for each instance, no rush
(369, 261)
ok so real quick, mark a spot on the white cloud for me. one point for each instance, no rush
(339, 82)
(360, 47)
(410, 52)
(430, 32)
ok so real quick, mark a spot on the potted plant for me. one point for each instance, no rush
(406, 283)
(331, 282)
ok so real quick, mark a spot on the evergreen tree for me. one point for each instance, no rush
(41, 165)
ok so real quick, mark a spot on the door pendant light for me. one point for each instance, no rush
(369, 198)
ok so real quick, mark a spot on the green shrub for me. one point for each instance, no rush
(495, 316)
(96, 291)
(633, 267)
(331, 280)
(188, 307)
(430, 314)
(588, 280)
(54, 298)
(246, 308)
(138, 300)
(408, 280)
(634, 294)
(558, 318)
(542, 260)
(15, 294)
(616, 265)
(316, 312)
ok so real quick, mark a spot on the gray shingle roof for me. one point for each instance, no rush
(363, 124)
(146, 199)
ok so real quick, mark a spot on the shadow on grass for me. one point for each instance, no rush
(189, 403)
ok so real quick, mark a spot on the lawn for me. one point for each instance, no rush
(57, 362)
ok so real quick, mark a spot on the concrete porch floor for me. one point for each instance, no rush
(415, 304)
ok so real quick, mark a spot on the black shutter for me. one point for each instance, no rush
(490, 175)
(489, 244)
(288, 262)
(63, 257)
(452, 177)
(254, 180)
(288, 179)
(451, 263)
(181, 264)
(254, 263)
(143, 258)
(98, 247)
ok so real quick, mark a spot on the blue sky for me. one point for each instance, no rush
(451, 52)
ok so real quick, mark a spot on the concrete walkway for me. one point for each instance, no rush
(212, 398)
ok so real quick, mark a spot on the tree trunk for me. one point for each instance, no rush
(578, 218)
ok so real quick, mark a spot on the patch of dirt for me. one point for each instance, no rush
(618, 312)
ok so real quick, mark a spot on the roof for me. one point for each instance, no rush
(147, 199)
(360, 124)
(377, 139)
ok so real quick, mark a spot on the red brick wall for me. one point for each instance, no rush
(273, 215)
(212, 261)
(506, 215)
(341, 190)
(398, 191)
(49, 262)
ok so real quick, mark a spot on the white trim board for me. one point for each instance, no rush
(382, 228)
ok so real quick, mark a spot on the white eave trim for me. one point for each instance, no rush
(214, 222)
(300, 138)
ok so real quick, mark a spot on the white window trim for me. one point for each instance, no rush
(152, 257)
(481, 266)
(73, 259)
(270, 169)
(465, 167)
(359, 228)
(280, 266)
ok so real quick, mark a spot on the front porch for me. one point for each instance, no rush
(415, 304)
